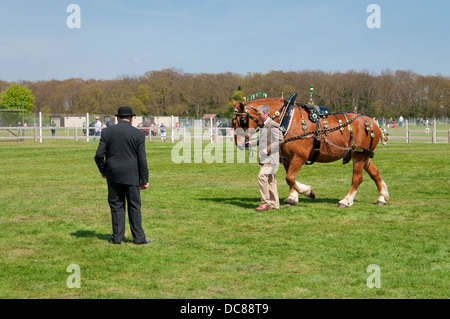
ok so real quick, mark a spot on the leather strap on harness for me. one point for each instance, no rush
(317, 142)
(288, 113)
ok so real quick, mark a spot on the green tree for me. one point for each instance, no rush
(238, 96)
(12, 98)
(140, 102)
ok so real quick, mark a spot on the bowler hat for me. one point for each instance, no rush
(125, 111)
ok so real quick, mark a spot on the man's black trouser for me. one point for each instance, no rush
(117, 194)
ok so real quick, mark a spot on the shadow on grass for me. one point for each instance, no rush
(243, 202)
(305, 200)
(253, 202)
(93, 234)
(90, 233)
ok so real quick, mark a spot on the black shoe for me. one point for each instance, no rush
(142, 243)
(114, 243)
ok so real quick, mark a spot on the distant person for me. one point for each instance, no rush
(400, 121)
(53, 124)
(162, 129)
(121, 159)
(98, 128)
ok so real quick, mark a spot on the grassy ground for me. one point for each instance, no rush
(207, 239)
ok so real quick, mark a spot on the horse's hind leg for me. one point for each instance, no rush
(296, 187)
(359, 161)
(381, 185)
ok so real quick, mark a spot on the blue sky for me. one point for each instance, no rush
(132, 37)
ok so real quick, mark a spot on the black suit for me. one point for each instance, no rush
(122, 159)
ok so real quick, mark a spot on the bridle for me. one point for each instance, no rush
(245, 116)
(244, 120)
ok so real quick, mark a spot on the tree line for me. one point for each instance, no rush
(173, 92)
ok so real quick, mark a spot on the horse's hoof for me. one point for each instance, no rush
(312, 194)
(287, 202)
(342, 205)
(380, 203)
(290, 204)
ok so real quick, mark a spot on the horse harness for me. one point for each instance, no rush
(315, 113)
(243, 121)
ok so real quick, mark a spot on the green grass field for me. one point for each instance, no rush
(207, 239)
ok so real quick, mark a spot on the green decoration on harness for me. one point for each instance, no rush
(311, 90)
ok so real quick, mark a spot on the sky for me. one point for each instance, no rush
(119, 38)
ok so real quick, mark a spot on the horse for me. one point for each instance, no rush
(312, 134)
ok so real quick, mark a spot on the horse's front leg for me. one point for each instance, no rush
(295, 187)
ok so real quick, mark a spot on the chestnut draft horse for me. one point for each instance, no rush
(312, 134)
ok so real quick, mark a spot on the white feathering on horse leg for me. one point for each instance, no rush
(384, 194)
(348, 200)
(303, 189)
(292, 200)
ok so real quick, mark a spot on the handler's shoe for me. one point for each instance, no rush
(263, 207)
(142, 243)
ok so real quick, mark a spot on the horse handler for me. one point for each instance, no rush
(270, 136)
(121, 159)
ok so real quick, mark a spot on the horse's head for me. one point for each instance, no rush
(244, 124)
(245, 121)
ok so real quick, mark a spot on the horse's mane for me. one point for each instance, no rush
(268, 100)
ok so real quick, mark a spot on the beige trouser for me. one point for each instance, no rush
(268, 186)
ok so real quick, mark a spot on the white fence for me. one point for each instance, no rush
(173, 134)
(429, 133)
(212, 133)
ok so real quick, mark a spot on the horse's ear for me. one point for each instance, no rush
(235, 104)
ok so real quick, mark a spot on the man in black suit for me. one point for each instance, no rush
(121, 159)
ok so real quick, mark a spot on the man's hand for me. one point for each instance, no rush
(103, 175)
(144, 186)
